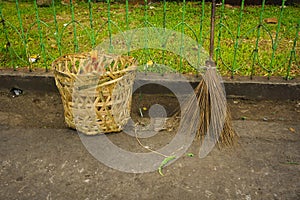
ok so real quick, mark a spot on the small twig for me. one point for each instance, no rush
(146, 147)
(21, 189)
(164, 162)
(141, 113)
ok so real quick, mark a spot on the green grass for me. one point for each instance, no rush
(244, 54)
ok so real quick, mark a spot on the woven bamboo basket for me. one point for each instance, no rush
(95, 90)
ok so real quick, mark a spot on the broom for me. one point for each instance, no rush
(214, 122)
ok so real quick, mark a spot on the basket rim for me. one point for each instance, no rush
(128, 69)
(131, 67)
(65, 55)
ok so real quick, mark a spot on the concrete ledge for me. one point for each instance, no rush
(241, 87)
(26, 83)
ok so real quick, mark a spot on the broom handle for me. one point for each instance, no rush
(212, 30)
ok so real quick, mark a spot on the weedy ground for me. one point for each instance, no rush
(137, 17)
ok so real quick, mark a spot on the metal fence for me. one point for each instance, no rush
(257, 40)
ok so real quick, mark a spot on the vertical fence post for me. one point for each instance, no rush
(182, 36)
(255, 51)
(146, 45)
(23, 38)
(127, 15)
(293, 51)
(237, 39)
(128, 39)
(218, 49)
(56, 29)
(74, 26)
(145, 12)
(212, 30)
(164, 13)
(42, 45)
(201, 22)
(91, 23)
(200, 42)
(109, 26)
(164, 27)
(7, 45)
(275, 43)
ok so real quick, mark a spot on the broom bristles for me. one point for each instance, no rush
(214, 119)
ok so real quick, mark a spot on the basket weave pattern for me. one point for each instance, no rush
(95, 91)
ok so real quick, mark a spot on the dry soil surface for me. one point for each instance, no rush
(42, 159)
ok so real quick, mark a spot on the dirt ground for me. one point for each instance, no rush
(42, 159)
